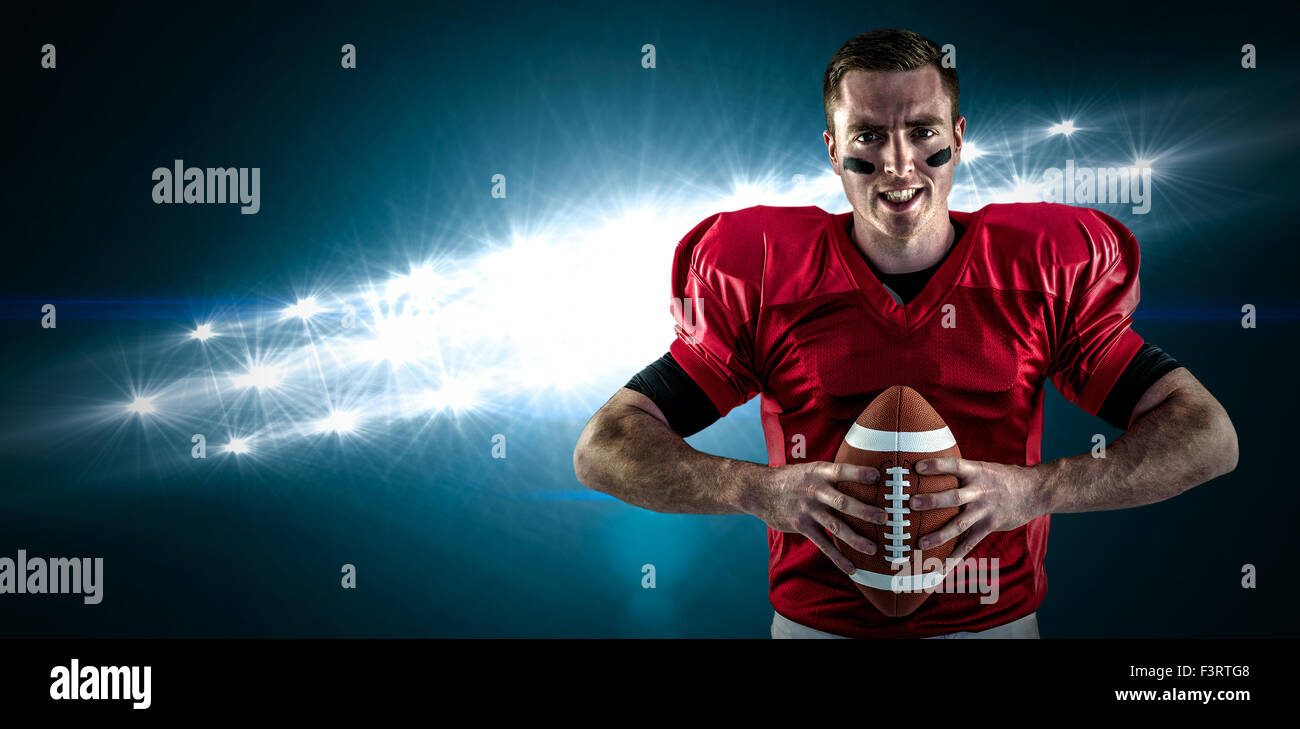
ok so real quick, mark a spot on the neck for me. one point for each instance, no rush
(895, 255)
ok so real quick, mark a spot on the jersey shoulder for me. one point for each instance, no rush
(780, 253)
(723, 245)
(1047, 247)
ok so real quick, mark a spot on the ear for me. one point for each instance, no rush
(958, 133)
(831, 150)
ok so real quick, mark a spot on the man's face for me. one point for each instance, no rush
(887, 125)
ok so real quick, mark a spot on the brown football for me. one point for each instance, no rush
(895, 431)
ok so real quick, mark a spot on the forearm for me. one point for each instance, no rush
(636, 458)
(1185, 441)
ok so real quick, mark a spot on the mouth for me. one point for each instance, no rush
(901, 201)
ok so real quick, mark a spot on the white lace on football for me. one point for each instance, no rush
(898, 512)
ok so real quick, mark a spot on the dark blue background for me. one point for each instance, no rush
(358, 166)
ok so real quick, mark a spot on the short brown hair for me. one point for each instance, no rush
(891, 49)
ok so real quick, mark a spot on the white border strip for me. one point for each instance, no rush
(897, 583)
(888, 441)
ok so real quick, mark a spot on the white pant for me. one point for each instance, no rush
(1026, 627)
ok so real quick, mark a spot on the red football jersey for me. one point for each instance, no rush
(781, 303)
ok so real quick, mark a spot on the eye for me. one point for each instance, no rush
(864, 134)
(927, 133)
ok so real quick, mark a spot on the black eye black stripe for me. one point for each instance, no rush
(939, 158)
(861, 166)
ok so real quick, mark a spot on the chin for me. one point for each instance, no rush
(900, 229)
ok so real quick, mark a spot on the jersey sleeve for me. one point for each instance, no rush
(1096, 337)
(716, 291)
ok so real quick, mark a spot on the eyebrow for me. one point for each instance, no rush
(865, 125)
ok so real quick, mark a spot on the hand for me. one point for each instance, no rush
(994, 497)
(803, 498)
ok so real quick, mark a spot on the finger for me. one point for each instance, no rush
(968, 544)
(953, 529)
(818, 537)
(959, 467)
(845, 504)
(947, 498)
(844, 532)
(842, 472)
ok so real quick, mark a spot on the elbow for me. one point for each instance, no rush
(586, 454)
(1228, 439)
(1221, 449)
(582, 458)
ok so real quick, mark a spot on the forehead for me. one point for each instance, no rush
(891, 96)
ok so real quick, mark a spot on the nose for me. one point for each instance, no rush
(898, 159)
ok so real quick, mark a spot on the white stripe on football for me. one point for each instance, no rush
(888, 441)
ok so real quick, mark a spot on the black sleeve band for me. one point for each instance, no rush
(1148, 365)
(684, 403)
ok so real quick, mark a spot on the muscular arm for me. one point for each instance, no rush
(1179, 437)
(629, 451)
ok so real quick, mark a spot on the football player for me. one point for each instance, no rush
(818, 313)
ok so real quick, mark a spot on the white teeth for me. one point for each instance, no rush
(901, 195)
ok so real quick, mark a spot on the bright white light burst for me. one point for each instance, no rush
(304, 309)
(454, 395)
(239, 446)
(339, 421)
(142, 406)
(259, 376)
(1066, 127)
